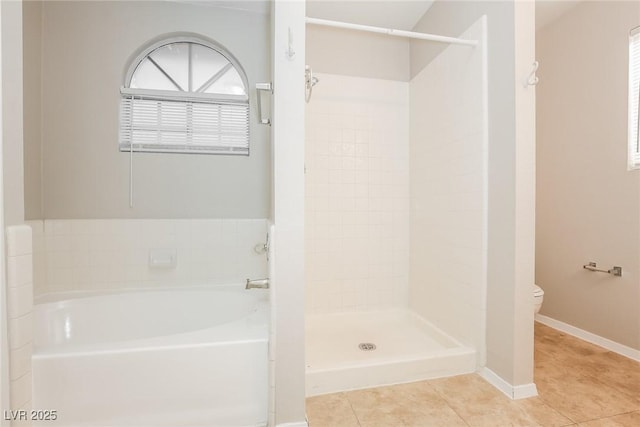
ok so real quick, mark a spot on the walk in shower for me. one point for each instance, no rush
(395, 213)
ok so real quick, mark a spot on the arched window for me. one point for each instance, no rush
(185, 95)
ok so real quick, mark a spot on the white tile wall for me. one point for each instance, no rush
(357, 194)
(448, 209)
(39, 262)
(112, 254)
(19, 311)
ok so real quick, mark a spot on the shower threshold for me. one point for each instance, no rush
(349, 351)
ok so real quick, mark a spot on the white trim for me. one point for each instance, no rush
(606, 343)
(298, 424)
(512, 392)
(391, 32)
(482, 349)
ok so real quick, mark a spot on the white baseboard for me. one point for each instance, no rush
(606, 343)
(512, 392)
(297, 424)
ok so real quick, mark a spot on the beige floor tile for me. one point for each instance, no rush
(415, 404)
(625, 420)
(583, 381)
(584, 398)
(606, 368)
(480, 404)
(616, 371)
(548, 367)
(560, 345)
(331, 410)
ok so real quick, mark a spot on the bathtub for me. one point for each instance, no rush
(194, 357)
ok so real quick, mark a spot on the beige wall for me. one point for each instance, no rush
(503, 310)
(588, 204)
(12, 112)
(32, 54)
(356, 53)
(85, 51)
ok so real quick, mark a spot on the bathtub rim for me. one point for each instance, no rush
(254, 327)
(60, 296)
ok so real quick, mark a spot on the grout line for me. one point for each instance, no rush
(447, 402)
(606, 384)
(557, 411)
(610, 416)
(346, 395)
(21, 376)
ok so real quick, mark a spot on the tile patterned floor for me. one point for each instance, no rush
(579, 384)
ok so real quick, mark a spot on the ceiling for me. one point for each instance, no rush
(404, 14)
(548, 11)
(396, 14)
(254, 6)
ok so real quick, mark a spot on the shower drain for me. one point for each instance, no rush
(367, 346)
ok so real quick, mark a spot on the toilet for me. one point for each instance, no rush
(538, 296)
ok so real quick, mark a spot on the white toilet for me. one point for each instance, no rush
(538, 296)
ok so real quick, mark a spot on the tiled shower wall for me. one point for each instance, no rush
(87, 255)
(448, 192)
(357, 194)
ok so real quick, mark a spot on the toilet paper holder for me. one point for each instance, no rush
(615, 270)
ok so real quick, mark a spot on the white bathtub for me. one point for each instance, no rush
(195, 357)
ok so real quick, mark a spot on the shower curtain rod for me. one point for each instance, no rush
(391, 32)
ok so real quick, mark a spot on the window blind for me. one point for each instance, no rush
(184, 126)
(634, 99)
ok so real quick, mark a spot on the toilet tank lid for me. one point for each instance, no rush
(537, 290)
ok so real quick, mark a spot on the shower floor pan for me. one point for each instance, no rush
(407, 348)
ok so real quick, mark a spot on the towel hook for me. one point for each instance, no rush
(310, 81)
(290, 52)
(532, 79)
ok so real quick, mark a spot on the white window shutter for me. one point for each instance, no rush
(184, 126)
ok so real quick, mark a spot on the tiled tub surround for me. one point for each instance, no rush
(357, 195)
(95, 255)
(20, 312)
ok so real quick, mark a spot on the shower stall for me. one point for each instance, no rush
(395, 213)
